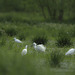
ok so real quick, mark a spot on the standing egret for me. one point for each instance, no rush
(24, 51)
(17, 40)
(39, 47)
(70, 52)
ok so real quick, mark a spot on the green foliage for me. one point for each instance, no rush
(21, 17)
(2, 32)
(72, 32)
(2, 41)
(34, 63)
(13, 63)
(22, 36)
(51, 10)
(10, 18)
(40, 39)
(18, 5)
(11, 31)
(56, 57)
(63, 39)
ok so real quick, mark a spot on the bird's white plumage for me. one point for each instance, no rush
(24, 51)
(70, 51)
(39, 47)
(17, 40)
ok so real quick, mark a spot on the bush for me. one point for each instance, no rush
(11, 31)
(63, 39)
(56, 57)
(40, 39)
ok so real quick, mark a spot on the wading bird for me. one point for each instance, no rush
(70, 51)
(39, 48)
(24, 51)
(17, 40)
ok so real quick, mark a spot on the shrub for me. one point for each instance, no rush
(11, 31)
(40, 39)
(63, 39)
(56, 57)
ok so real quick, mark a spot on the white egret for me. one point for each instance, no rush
(24, 51)
(17, 40)
(39, 47)
(70, 52)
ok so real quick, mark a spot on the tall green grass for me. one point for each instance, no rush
(56, 57)
(63, 39)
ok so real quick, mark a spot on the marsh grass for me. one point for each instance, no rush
(16, 64)
(11, 31)
(56, 57)
(22, 36)
(63, 39)
(34, 63)
(40, 39)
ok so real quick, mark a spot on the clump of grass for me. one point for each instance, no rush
(40, 39)
(63, 39)
(56, 57)
(11, 31)
(22, 36)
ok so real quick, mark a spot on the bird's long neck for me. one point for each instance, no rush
(26, 47)
(35, 46)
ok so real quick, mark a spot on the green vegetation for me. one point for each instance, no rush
(51, 22)
(50, 62)
(11, 31)
(56, 57)
(50, 10)
(63, 39)
(42, 39)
